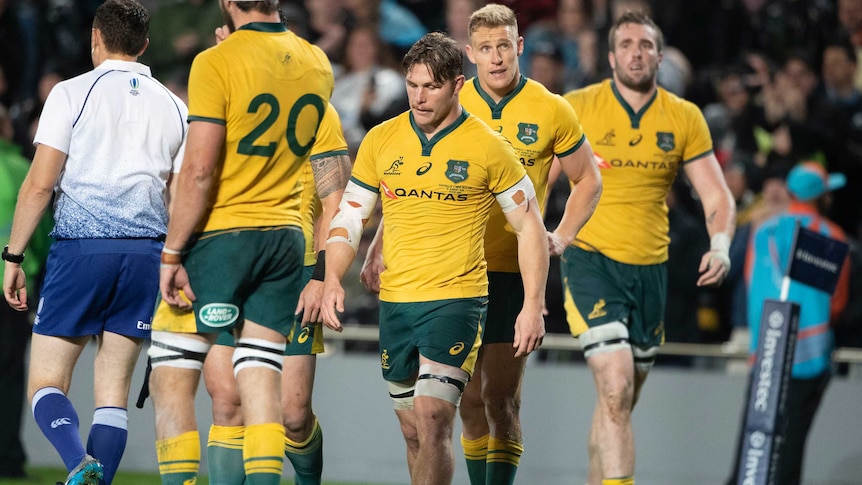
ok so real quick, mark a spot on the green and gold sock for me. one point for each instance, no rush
(619, 481)
(504, 456)
(224, 455)
(263, 453)
(179, 458)
(306, 457)
(476, 454)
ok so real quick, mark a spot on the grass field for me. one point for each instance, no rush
(50, 476)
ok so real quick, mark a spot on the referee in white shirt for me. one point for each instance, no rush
(107, 145)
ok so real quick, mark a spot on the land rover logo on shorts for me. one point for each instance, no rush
(664, 140)
(528, 133)
(218, 314)
(457, 171)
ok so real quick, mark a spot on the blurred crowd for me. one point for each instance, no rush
(778, 81)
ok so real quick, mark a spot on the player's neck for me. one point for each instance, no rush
(241, 18)
(498, 94)
(636, 99)
(432, 129)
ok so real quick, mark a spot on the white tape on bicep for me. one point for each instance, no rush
(517, 195)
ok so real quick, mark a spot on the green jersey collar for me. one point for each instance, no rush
(264, 27)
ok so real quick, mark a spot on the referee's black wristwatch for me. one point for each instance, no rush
(12, 258)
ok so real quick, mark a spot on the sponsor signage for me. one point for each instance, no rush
(817, 260)
(762, 433)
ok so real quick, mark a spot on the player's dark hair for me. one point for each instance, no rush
(124, 25)
(265, 7)
(640, 18)
(440, 53)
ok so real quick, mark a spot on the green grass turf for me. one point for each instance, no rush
(50, 476)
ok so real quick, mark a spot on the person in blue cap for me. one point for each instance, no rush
(769, 250)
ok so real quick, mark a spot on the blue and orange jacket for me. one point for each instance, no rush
(765, 266)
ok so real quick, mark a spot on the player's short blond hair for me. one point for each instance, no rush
(490, 16)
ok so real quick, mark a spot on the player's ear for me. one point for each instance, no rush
(144, 49)
(469, 50)
(459, 83)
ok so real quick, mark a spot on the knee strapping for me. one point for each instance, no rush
(433, 381)
(252, 352)
(177, 350)
(644, 358)
(401, 394)
(605, 338)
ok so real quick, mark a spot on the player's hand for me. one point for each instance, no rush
(14, 286)
(369, 275)
(331, 304)
(309, 302)
(714, 266)
(556, 244)
(221, 34)
(172, 279)
(529, 331)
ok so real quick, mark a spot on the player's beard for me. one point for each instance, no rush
(644, 85)
(231, 27)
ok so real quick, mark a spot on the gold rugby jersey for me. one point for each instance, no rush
(270, 89)
(539, 124)
(640, 154)
(436, 195)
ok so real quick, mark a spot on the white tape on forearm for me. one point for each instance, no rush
(719, 246)
(355, 208)
(720, 242)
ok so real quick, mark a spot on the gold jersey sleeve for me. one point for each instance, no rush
(329, 142)
(539, 124)
(436, 195)
(640, 154)
(270, 89)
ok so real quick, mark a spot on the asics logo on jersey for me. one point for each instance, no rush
(598, 310)
(303, 336)
(456, 349)
(634, 141)
(393, 169)
(60, 422)
(423, 169)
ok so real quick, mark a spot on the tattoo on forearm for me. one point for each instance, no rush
(711, 218)
(331, 174)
